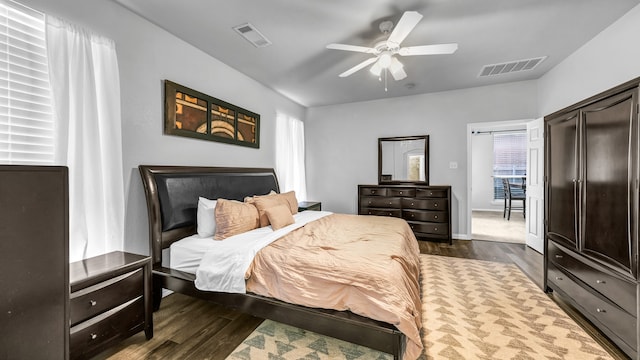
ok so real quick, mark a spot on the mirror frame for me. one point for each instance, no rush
(405, 138)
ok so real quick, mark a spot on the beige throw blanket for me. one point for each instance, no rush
(368, 265)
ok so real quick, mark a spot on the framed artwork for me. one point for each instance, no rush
(193, 114)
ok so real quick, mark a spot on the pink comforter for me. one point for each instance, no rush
(368, 265)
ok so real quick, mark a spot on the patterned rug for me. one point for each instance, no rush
(472, 309)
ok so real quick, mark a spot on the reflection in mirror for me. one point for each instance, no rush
(403, 160)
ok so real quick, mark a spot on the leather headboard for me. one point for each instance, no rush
(172, 196)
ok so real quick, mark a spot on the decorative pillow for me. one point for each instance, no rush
(234, 217)
(279, 216)
(265, 202)
(206, 218)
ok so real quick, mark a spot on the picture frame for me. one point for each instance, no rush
(193, 114)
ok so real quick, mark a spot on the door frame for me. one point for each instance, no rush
(483, 126)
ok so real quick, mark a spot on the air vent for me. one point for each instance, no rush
(511, 67)
(252, 35)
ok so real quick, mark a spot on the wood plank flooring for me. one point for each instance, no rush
(188, 328)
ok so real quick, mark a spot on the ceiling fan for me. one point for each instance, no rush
(384, 52)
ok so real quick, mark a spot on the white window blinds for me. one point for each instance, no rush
(26, 116)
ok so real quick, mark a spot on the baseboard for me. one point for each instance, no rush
(461, 236)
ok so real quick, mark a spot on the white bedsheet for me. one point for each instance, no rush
(225, 263)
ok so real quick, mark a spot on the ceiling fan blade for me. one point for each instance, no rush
(355, 48)
(408, 21)
(358, 67)
(428, 49)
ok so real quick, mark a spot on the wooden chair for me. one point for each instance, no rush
(510, 195)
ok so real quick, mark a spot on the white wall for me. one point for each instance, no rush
(147, 55)
(609, 59)
(342, 140)
(482, 170)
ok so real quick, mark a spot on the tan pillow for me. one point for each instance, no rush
(262, 203)
(279, 216)
(234, 217)
(291, 200)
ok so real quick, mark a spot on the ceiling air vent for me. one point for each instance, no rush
(252, 35)
(511, 66)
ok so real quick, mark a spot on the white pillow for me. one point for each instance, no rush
(206, 217)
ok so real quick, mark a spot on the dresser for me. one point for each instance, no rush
(592, 172)
(427, 209)
(110, 300)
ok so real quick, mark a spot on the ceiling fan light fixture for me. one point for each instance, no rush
(385, 60)
(376, 69)
(397, 69)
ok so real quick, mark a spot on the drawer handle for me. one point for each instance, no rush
(412, 215)
(400, 192)
(411, 204)
(369, 212)
(435, 217)
(94, 336)
(435, 205)
(600, 282)
(390, 202)
(369, 202)
(373, 191)
(601, 310)
(558, 278)
(93, 302)
(390, 214)
(430, 193)
(435, 229)
(559, 256)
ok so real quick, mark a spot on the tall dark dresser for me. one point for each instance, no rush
(592, 213)
(34, 262)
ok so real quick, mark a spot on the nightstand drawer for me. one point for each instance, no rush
(101, 297)
(106, 328)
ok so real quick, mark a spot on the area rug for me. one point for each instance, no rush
(472, 309)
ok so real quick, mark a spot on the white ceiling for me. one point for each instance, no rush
(299, 66)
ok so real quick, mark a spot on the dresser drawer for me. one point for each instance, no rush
(421, 215)
(598, 310)
(373, 191)
(381, 202)
(382, 212)
(96, 299)
(431, 193)
(117, 323)
(425, 204)
(619, 291)
(401, 192)
(429, 228)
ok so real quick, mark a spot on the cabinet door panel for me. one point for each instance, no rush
(607, 192)
(562, 170)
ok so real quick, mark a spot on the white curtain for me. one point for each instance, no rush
(85, 84)
(290, 155)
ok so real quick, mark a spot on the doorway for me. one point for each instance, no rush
(487, 169)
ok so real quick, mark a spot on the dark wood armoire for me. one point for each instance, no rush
(34, 262)
(591, 210)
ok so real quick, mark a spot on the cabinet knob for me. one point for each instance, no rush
(600, 282)
(389, 202)
(435, 229)
(412, 215)
(435, 217)
(601, 310)
(369, 212)
(430, 193)
(400, 192)
(93, 302)
(94, 336)
(411, 204)
(390, 214)
(435, 205)
(369, 202)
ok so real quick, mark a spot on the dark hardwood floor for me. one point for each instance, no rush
(188, 328)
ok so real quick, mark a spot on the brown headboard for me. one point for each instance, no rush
(172, 196)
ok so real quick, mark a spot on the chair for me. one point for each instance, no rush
(513, 192)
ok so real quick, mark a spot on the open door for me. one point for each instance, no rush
(534, 223)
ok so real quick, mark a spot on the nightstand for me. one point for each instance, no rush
(110, 300)
(309, 205)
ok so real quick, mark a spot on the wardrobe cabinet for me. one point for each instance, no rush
(34, 262)
(591, 210)
(427, 209)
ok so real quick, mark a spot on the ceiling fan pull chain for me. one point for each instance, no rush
(385, 80)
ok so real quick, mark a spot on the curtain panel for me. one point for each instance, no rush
(83, 70)
(290, 155)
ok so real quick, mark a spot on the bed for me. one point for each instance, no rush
(172, 194)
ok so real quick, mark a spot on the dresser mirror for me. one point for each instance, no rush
(403, 160)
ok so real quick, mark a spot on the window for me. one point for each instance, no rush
(509, 159)
(26, 116)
